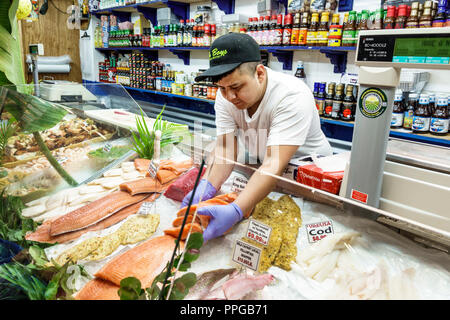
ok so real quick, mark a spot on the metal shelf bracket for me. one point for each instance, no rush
(338, 58)
(285, 57)
(122, 16)
(149, 13)
(225, 5)
(182, 54)
(181, 10)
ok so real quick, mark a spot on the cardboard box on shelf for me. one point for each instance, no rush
(313, 176)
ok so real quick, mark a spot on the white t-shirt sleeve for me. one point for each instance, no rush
(291, 121)
(225, 122)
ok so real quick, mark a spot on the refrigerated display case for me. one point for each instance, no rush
(321, 245)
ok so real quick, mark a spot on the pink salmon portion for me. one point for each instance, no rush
(143, 262)
(93, 212)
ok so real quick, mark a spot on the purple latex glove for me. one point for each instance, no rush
(222, 219)
(205, 191)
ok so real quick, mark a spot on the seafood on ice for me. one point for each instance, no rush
(340, 257)
(228, 284)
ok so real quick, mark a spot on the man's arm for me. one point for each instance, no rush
(225, 149)
(262, 182)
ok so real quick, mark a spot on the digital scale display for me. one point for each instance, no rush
(428, 49)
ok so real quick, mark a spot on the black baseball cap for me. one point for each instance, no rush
(228, 52)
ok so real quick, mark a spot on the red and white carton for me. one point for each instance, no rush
(313, 176)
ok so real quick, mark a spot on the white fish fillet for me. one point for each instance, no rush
(90, 189)
(112, 183)
(328, 265)
(37, 202)
(34, 211)
(327, 245)
(82, 199)
(98, 181)
(57, 200)
(132, 175)
(113, 172)
(127, 166)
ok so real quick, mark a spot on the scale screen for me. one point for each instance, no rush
(422, 50)
(428, 49)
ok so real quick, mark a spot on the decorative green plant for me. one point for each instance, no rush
(39, 279)
(11, 63)
(171, 133)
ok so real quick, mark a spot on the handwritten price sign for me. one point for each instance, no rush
(258, 232)
(146, 208)
(246, 255)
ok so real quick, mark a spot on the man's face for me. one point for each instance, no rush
(242, 88)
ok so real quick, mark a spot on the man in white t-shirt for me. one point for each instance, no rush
(271, 113)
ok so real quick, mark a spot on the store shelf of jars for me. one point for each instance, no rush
(151, 48)
(337, 55)
(174, 95)
(397, 133)
(285, 48)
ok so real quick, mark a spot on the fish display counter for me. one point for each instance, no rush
(116, 235)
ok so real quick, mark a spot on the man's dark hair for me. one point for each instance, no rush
(246, 67)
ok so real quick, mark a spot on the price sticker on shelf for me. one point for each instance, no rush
(258, 232)
(318, 231)
(239, 184)
(146, 208)
(246, 255)
(107, 147)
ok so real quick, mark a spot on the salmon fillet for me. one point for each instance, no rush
(93, 212)
(174, 232)
(145, 185)
(143, 262)
(165, 176)
(177, 167)
(98, 289)
(200, 219)
(141, 164)
(42, 233)
(228, 197)
(210, 202)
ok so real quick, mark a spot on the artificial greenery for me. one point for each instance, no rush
(131, 288)
(171, 133)
(13, 226)
(114, 153)
(37, 277)
(11, 63)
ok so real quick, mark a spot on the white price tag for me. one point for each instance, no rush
(107, 147)
(319, 230)
(258, 232)
(238, 184)
(247, 255)
(146, 208)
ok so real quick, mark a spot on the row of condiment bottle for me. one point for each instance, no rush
(334, 103)
(139, 71)
(421, 113)
(300, 29)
